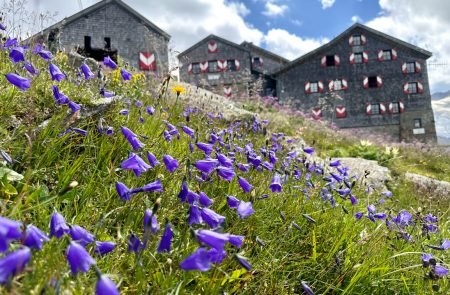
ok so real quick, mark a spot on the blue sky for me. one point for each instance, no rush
(289, 28)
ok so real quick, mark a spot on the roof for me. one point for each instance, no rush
(211, 37)
(344, 34)
(101, 4)
(264, 51)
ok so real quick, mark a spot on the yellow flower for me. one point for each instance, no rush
(178, 89)
(365, 143)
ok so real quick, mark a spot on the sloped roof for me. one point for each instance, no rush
(100, 5)
(264, 52)
(212, 37)
(344, 34)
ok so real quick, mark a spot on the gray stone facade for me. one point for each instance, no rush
(386, 107)
(129, 33)
(246, 72)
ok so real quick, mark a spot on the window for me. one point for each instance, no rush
(231, 65)
(337, 85)
(358, 58)
(387, 54)
(412, 87)
(257, 61)
(196, 68)
(417, 123)
(410, 67)
(357, 40)
(373, 83)
(87, 42)
(314, 87)
(375, 109)
(395, 108)
(330, 61)
(212, 66)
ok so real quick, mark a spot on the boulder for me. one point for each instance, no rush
(437, 187)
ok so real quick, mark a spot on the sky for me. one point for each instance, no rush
(289, 28)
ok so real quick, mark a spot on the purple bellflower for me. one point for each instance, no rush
(18, 81)
(87, 72)
(60, 97)
(212, 239)
(224, 160)
(275, 186)
(34, 237)
(199, 260)
(29, 67)
(132, 138)
(126, 76)
(135, 163)
(107, 61)
(74, 107)
(166, 239)
(154, 186)
(56, 73)
(204, 200)
(150, 110)
(103, 248)
(58, 226)
(188, 131)
(9, 230)
(226, 173)
(245, 185)
(81, 235)
(105, 286)
(17, 54)
(206, 166)
(233, 202)
(236, 240)
(205, 147)
(245, 209)
(171, 163)
(152, 159)
(134, 244)
(13, 263)
(195, 215)
(212, 218)
(150, 222)
(78, 258)
(123, 191)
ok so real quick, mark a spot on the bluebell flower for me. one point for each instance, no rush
(124, 112)
(135, 163)
(224, 160)
(245, 209)
(155, 186)
(195, 215)
(188, 131)
(105, 93)
(308, 150)
(105, 286)
(307, 288)
(183, 192)
(212, 239)
(236, 240)
(216, 255)
(34, 237)
(13, 263)
(9, 230)
(11, 42)
(233, 202)
(18, 81)
(170, 162)
(58, 226)
(87, 71)
(78, 258)
(6, 157)
(56, 73)
(123, 191)
(134, 244)
(150, 222)
(275, 186)
(17, 54)
(79, 131)
(226, 173)
(243, 262)
(166, 239)
(132, 138)
(150, 110)
(204, 200)
(103, 248)
(81, 235)
(29, 67)
(74, 107)
(205, 147)
(199, 260)
(126, 76)
(2, 27)
(206, 166)
(212, 218)
(60, 97)
(107, 61)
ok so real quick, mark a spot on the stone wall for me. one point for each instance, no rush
(291, 86)
(128, 35)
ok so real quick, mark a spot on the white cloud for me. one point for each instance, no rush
(297, 22)
(289, 45)
(327, 3)
(356, 19)
(421, 25)
(273, 10)
(240, 8)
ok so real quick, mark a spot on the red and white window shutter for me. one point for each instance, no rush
(379, 81)
(331, 85)
(394, 53)
(351, 59)
(237, 64)
(350, 40)
(307, 87)
(147, 61)
(227, 91)
(337, 60)
(323, 61)
(341, 112)
(406, 88)
(344, 84)
(366, 82)
(212, 46)
(189, 68)
(204, 67)
(380, 55)
(418, 67)
(365, 56)
(404, 68)
(320, 86)
(382, 108)
(363, 39)
(401, 106)
(419, 87)
(222, 65)
(352, 43)
(316, 113)
(368, 109)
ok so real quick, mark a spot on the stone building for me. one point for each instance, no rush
(110, 27)
(230, 69)
(364, 79)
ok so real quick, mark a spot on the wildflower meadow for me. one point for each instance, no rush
(153, 193)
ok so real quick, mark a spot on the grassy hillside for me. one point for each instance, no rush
(307, 226)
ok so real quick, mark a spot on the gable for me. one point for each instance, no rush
(209, 45)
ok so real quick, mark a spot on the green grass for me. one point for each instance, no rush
(335, 255)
